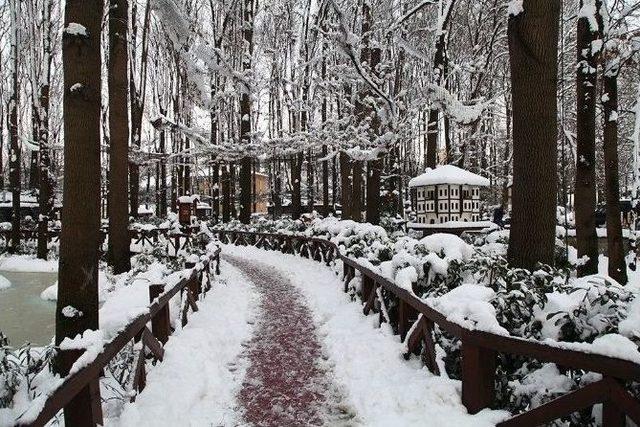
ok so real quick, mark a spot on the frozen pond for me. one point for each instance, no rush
(24, 316)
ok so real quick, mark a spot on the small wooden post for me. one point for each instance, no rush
(85, 409)
(367, 287)
(478, 377)
(194, 284)
(403, 319)
(160, 323)
(612, 416)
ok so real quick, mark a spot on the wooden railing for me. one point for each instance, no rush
(79, 393)
(415, 321)
(173, 241)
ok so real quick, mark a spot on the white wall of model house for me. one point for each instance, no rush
(446, 194)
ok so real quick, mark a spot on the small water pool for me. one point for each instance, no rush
(24, 316)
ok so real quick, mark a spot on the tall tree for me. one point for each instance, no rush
(374, 167)
(119, 256)
(533, 54)
(445, 8)
(585, 180)
(617, 267)
(77, 306)
(138, 96)
(45, 175)
(245, 114)
(14, 140)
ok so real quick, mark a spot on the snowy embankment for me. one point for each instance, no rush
(367, 361)
(28, 263)
(4, 283)
(200, 375)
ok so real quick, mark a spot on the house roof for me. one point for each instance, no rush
(448, 174)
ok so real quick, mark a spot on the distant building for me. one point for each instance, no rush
(261, 196)
(205, 186)
(446, 194)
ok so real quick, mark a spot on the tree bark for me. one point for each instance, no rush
(245, 117)
(226, 194)
(45, 194)
(585, 180)
(533, 52)
(296, 185)
(77, 305)
(439, 67)
(345, 185)
(14, 141)
(356, 191)
(119, 256)
(617, 265)
(138, 95)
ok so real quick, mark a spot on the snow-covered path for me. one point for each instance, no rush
(278, 343)
(286, 383)
(378, 385)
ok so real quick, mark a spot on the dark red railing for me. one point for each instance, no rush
(479, 349)
(79, 394)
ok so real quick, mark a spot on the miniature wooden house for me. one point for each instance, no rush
(446, 194)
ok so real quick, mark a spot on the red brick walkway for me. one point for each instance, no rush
(286, 383)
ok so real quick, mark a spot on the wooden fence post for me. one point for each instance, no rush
(478, 377)
(367, 288)
(85, 409)
(194, 284)
(160, 323)
(403, 319)
(612, 416)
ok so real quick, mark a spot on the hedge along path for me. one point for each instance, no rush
(287, 381)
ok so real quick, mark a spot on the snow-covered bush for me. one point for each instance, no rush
(20, 370)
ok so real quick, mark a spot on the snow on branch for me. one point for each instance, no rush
(464, 114)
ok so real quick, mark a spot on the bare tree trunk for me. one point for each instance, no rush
(138, 95)
(45, 194)
(226, 194)
(296, 184)
(356, 191)
(345, 185)
(615, 247)
(504, 201)
(14, 141)
(325, 152)
(162, 208)
(585, 181)
(374, 167)
(245, 117)
(439, 67)
(77, 306)
(119, 256)
(533, 51)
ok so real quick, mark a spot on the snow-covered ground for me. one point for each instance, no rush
(197, 381)
(28, 263)
(367, 361)
(4, 283)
